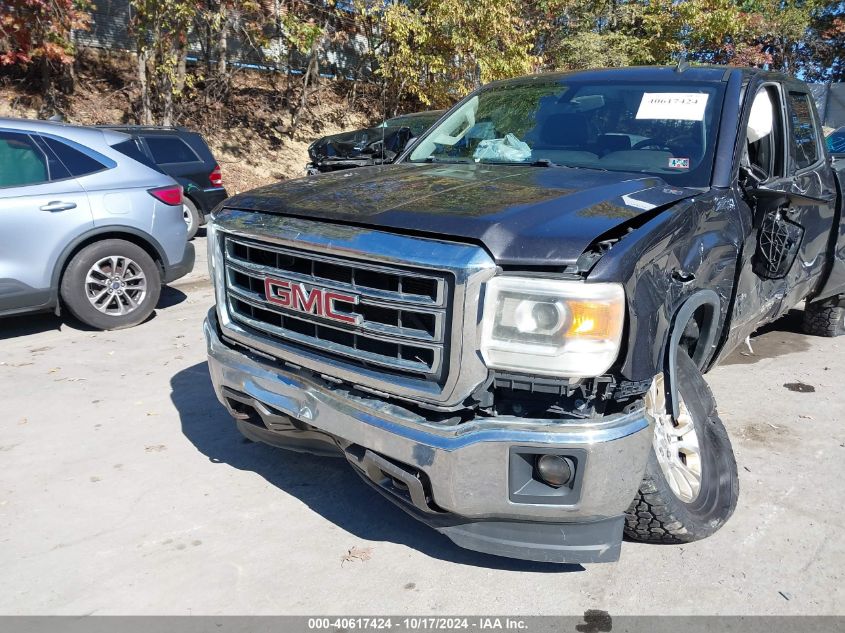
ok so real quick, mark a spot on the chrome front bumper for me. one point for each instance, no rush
(465, 468)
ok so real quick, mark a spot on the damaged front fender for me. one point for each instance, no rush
(692, 249)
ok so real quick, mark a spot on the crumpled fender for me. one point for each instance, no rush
(691, 248)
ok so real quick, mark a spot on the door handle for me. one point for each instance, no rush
(58, 205)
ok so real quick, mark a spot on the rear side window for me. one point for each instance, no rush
(170, 149)
(55, 168)
(130, 148)
(805, 134)
(77, 163)
(21, 161)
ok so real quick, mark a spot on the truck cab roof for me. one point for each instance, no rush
(664, 74)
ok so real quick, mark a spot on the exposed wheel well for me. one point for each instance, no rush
(99, 237)
(691, 336)
(694, 331)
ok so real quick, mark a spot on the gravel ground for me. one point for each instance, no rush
(127, 490)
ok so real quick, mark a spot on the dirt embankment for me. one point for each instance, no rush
(247, 132)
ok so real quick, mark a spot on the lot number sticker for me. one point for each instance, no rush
(673, 106)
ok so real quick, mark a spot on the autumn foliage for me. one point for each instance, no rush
(420, 53)
(40, 30)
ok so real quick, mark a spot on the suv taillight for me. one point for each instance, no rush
(167, 195)
(216, 176)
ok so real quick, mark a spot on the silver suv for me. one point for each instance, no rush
(86, 223)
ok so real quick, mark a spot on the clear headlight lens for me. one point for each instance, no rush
(552, 327)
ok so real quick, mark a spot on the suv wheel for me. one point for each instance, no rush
(825, 318)
(690, 488)
(192, 217)
(111, 284)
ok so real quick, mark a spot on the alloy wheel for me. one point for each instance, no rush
(116, 285)
(675, 443)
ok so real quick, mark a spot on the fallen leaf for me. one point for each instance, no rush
(357, 553)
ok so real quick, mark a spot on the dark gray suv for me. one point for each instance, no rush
(185, 156)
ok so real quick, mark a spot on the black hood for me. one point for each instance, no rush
(523, 215)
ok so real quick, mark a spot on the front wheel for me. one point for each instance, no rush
(111, 284)
(690, 488)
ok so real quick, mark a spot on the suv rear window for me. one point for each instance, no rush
(76, 162)
(130, 148)
(170, 149)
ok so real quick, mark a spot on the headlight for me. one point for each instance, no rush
(552, 327)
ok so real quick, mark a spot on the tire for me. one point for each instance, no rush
(192, 217)
(91, 273)
(659, 514)
(825, 318)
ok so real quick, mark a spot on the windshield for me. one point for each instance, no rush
(663, 129)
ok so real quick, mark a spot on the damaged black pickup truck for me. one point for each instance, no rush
(505, 331)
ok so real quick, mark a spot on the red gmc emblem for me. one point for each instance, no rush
(317, 301)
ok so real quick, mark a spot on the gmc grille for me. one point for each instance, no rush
(402, 313)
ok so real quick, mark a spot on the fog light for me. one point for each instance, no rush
(554, 470)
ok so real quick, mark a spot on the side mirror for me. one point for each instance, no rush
(775, 199)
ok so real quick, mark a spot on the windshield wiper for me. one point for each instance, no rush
(544, 162)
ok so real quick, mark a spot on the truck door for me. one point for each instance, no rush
(784, 255)
(811, 176)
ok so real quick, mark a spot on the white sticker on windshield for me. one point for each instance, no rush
(673, 106)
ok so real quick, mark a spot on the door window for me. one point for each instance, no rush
(805, 133)
(55, 167)
(170, 149)
(21, 161)
(764, 135)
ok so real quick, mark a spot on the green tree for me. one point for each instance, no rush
(437, 51)
(161, 38)
(579, 34)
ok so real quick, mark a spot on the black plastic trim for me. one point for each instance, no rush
(705, 343)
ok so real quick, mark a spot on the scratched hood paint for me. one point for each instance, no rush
(522, 215)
